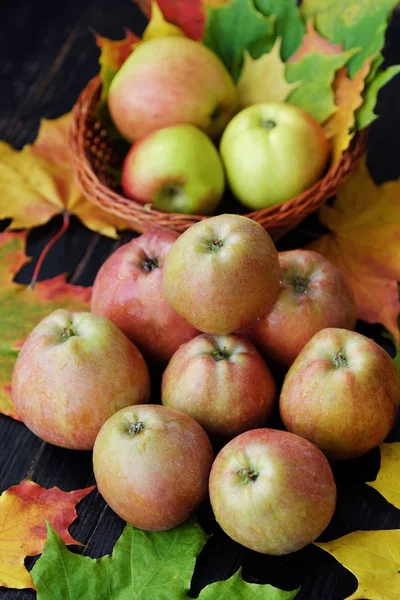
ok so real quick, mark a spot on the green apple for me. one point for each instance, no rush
(176, 169)
(271, 153)
(171, 80)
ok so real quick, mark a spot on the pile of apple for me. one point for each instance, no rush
(173, 99)
(81, 382)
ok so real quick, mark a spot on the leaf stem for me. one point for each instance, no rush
(48, 247)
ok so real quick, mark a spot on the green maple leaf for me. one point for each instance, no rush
(366, 114)
(353, 23)
(316, 72)
(235, 27)
(289, 25)
(143, 565)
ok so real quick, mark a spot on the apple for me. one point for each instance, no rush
(313, 295)
(342, 393)
(222, 274)
(222, 382)
(272, 491)
(272, 152)
(168, 81)
(74, 371)
(128, 290)
(151, 465)
(176, 169)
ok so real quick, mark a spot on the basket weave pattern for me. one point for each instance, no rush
(95, 159)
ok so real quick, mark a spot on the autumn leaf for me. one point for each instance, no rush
(312, 41)
(159, 27)
(113, 54)
(364, 243)
(21, 308)
(138, 566)
(374, 558)
(37, 183)
(340, 128)
(263, 79)
(316, 72)
(365, 114)
(353, 23)
(289, 25)
(235, 27)
(387, 482)
(188, 15)
(24, 510)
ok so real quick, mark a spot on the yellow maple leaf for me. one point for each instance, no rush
(159, 27)
(387, 482)
(364, 244)
(348, 98)
(374, 558)
(263, 79)
(37, 183)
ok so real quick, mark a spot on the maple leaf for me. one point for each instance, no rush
(37, 183)
(289, 25)
(348, 98)
(364, 244)
(314, 42)
(263, 79)
(387, 482)
(188, 15)
(24, 508)
(138, 566)
(365, 114)
(374, 558)
(113, 54)
(159, 27)
(235, 27)
(353, 23)
(316, 72)
(21, 308)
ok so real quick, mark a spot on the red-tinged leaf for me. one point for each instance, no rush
(113, 54)
(189, 15)
(24, 510)
(21, 308)
(314, 42)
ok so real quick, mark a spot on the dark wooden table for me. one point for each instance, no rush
(47, 55)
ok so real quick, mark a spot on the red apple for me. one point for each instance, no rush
(74, 371)
(342, 393)
(128, 291)
(272, 491)
(169, 81)
(151, 465)
(222, 382)
(313, 295)
(222, 274)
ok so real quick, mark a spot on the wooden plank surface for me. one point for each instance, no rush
(47, 55)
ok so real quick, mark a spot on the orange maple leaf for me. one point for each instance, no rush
(348, 98)
(314, 42)
(115, 52)
(24, 510)
(37, 183)
(21, 308)
(365, 244)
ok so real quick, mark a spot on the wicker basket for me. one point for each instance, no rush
(96, 158)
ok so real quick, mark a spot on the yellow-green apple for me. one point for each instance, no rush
(222, 382)
(152, 465)
(128, 290)
(74, 371)
(313, 295)
(167, 81)
(271, 153)
(342, 393)
(222, 274)
(176, 169)
(272, 491)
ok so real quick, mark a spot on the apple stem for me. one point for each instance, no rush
(149, 264)
(48, 247)
(67, 333)
(135, 428)
(340, 359)
(220, 354)
(247, 475)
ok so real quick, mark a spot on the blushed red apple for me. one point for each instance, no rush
(222, 274)
(313, 295)
(342, 393)
(168, 81)
(74, 371)
(128, 290)
(151, 465)
(272, 491)
(222, 382)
